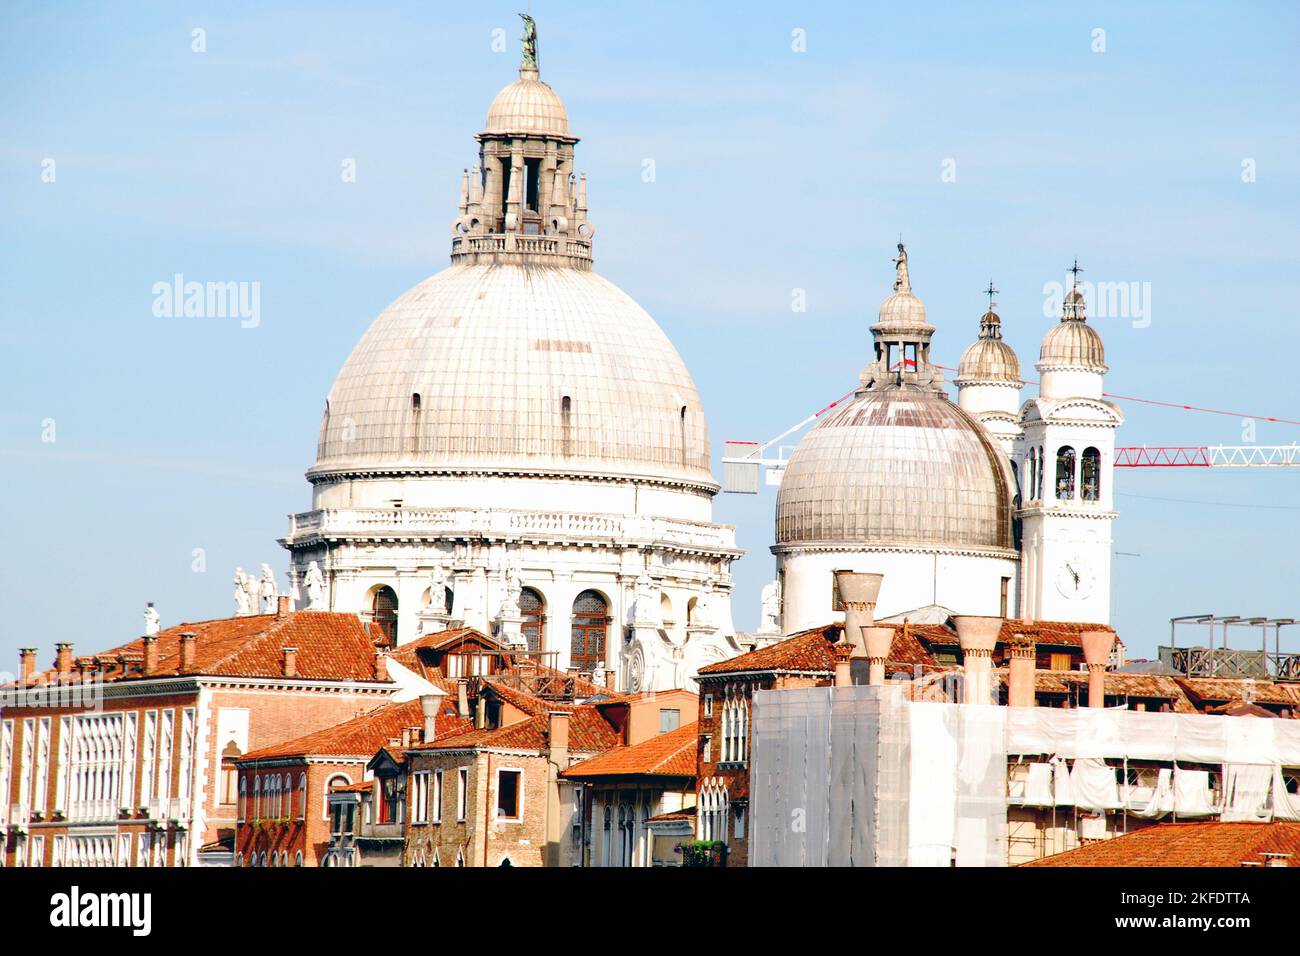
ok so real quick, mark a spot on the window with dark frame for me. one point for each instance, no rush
(508, 794)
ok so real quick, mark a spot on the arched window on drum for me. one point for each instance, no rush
(533, 608)
(384, 612)
(590, 624)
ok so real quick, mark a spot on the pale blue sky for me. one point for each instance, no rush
(775, 170)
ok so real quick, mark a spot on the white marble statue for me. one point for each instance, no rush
(152, 622)
(770, 618)
(645, 608)
(270, 591)
(314, 583)
(243, 604)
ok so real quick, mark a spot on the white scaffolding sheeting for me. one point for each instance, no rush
(833, 782)
(861, 776)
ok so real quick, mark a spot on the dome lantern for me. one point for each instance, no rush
(902, 339)
(523, 203)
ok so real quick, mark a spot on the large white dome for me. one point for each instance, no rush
(515, 369)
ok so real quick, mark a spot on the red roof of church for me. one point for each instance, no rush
(1202, 843)
(667, 755)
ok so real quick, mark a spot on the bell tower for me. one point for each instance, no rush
(1067, 465)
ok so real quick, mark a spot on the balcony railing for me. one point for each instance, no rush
(542, 525)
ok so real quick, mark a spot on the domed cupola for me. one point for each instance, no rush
(988, 381)
(1072, 359)
(989, 360)
(896, 476)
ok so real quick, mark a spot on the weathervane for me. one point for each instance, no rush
(990, 292)
(1075, 270)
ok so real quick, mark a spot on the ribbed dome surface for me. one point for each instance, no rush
(528, 106)
(493, 351)
(902, 310)
(989, 359)
(896, 468)
(1075, 343)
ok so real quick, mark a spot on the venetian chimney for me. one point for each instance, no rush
(282, 606)
(978, 636)
(381, 666)
(429, 704)
(858, 593)
(843, 651)
(188, 648)
(878, 640)
(1097, 646)
(150, 654)
(289, 662)
(1022, 653)
(26, 665)
(63, 659)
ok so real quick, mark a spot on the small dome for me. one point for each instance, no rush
(989, 359)
(1073, 343)
(528, 106)
(896, 468)
(902, 310)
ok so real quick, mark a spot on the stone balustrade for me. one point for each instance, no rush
(381, 523)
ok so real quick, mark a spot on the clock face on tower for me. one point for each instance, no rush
(1074, 578)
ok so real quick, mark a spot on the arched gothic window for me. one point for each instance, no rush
(1038, 481)
(1064, 473)
(1090, 475)
(384, 610)
(590, 622)
(533, 608)
(1033, 473)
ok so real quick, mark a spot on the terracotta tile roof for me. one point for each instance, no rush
(589, 732)
(331, 646)
(361, 786)
(1222, 690)
(667, 755)
(362, 736)
(686, 814)
(1151, 686)
(1052, 633)
(810, 652)
(805, 652)
(1203, 843)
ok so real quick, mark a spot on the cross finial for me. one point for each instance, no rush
(990, 292)
(1075, 270)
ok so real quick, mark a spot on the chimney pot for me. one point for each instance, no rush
(27, 664)
(282, 606)
(289, 662)
(150, 655)
(63, 658)
(381, 666)
(1097, 646)
(429, 704)
(462, 699)
(558, 732)
(978, 636)
(1021, 656)
(188, 647)
(843, 652)
(858, 593)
